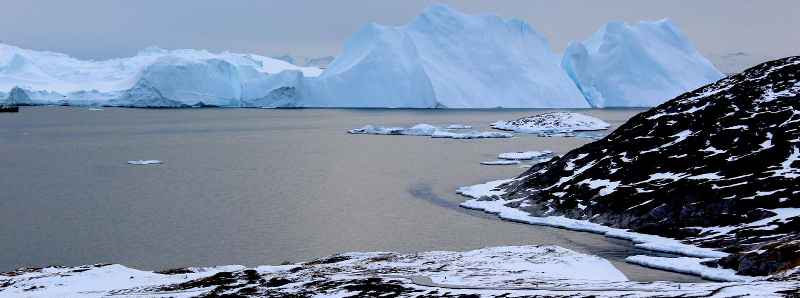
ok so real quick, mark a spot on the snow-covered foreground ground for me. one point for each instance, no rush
(516, 270)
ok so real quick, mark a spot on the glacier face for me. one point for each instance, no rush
(624, 65)
(445, 58)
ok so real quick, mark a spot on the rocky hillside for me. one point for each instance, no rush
(717, 167)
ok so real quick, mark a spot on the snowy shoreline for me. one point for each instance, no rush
(649, 242)
(549, 271)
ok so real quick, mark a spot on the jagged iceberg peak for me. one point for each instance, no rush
(445, 58)
(443, 17)
(637, 65)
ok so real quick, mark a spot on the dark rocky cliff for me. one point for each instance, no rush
(717, 167)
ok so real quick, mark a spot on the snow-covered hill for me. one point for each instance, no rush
(717, 167)
(643, 65)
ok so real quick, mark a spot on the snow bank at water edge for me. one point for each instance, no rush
(688, 265)
(498, 206)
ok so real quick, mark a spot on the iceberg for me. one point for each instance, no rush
(552, 123)
(640, 65)
(441, 59)
(153, 78)
(445, 58)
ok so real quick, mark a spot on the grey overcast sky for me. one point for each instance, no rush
(112, 28)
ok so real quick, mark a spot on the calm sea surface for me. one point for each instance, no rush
(257, 186)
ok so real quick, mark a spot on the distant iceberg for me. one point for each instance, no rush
(640, 65)
(442, 59)
(445, 58)
(153, 78)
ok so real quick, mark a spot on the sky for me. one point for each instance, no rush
(100, 29)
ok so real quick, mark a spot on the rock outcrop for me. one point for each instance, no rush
(717, 167)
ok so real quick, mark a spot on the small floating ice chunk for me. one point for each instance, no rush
(459, 126)
(553, 123)
(500, 162)
(145, 162)
(95, 109)
(526, 155)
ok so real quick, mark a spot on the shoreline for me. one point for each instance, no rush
(645, 241)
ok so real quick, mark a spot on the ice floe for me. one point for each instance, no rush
(428, 130)
(500, 162)
(459, 126)
(525, 155)
(553, 123)
(145, 162)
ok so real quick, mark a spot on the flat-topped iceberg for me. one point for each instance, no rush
(639, 65)
(552, 122)
(423, 129)
(445, 58)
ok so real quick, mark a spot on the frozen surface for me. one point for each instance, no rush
(639, 65)
(552, 123)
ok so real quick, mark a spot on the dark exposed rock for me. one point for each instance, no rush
(724, 155)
